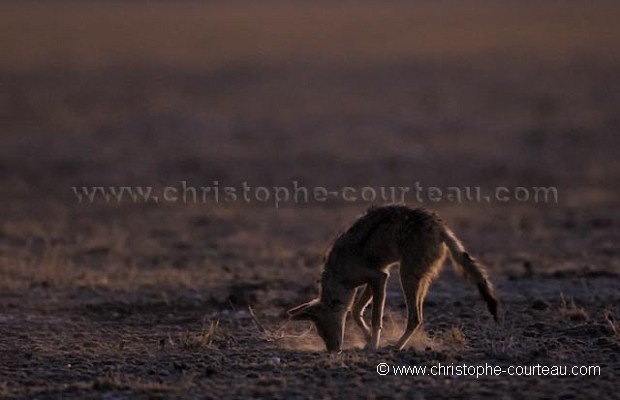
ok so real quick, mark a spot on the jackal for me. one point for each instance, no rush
(360, 258)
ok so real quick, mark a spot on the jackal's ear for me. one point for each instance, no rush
(304, 311)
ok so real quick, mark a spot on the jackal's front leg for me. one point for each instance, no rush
(357, 312)
(378, 285)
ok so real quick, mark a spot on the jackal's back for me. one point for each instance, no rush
(383, 234)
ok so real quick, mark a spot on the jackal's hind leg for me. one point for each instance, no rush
(358, 312)
(415, 318)
(416, 276)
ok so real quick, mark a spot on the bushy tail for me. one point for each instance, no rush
(472, 270)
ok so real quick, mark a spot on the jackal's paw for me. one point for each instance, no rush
(369, 348)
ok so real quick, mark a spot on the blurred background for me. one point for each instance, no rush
(336, 93)
(329, 94)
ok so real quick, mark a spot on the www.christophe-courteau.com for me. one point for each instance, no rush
(296, 193)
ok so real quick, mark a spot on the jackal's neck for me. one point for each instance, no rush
(334, 293)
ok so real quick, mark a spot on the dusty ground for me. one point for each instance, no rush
(108, 300)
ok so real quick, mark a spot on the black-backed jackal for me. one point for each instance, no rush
(360, 259)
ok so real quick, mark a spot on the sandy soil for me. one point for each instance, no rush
(134, 300)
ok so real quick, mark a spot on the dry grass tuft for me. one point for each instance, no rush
(211, 336)
(614, 326)
(501, 343)
(453, 339)
(571, 311)
(205, 338)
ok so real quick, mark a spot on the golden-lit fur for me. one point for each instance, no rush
(360, 259)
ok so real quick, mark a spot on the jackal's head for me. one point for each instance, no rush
(328, 320)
